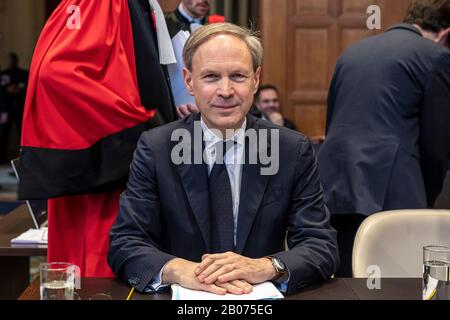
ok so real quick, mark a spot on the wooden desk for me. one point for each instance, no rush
(15, 259)
(335, 289)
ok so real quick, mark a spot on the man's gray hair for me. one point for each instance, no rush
(205, 33)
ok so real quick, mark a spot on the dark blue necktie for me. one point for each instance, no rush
(222, 222)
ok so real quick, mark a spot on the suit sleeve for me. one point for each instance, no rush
(313, 254)
(434, 141)
(135, 237)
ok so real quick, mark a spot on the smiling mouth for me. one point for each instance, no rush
(225, 107)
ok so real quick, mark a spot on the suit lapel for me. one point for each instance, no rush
(195, 182)
(253, 186)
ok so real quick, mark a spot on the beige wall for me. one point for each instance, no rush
(21, 22)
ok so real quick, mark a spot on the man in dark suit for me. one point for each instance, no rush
(211, 212)
(188, 16)
(388, 120)
(268, 103)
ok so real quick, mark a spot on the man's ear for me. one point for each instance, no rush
(257, 76)
(188, 81)
(443, 37)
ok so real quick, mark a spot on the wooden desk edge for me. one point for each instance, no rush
(32, 291)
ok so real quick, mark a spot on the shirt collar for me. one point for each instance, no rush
(211, 138)
(185, 14)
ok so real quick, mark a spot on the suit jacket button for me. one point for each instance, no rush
(134, 281)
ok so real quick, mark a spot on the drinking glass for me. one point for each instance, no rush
(436, 273)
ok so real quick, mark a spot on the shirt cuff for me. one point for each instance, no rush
(155, 284)
(282, 287)
(282, 284)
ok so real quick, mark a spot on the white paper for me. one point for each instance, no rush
(430, 291)
(166, 54)
(263, 291)
(32, 236)
(180, 94)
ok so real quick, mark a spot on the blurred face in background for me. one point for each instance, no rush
(268, 101)
(196, 8)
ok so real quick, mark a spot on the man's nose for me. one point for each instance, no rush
(225, 88)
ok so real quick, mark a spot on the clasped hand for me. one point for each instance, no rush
(220, 273)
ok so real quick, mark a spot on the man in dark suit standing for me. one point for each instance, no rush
(188, 16)
(205, 206)
(388, 120)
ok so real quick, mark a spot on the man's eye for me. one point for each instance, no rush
(238, 77)
(210, 77)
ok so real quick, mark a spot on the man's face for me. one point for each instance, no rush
(268, 101)
(223, 81)
(197, 8)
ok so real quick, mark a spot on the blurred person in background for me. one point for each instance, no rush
(188, 16)
(267, 102)
(388, 123)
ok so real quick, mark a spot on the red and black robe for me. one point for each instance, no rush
(92, 92)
